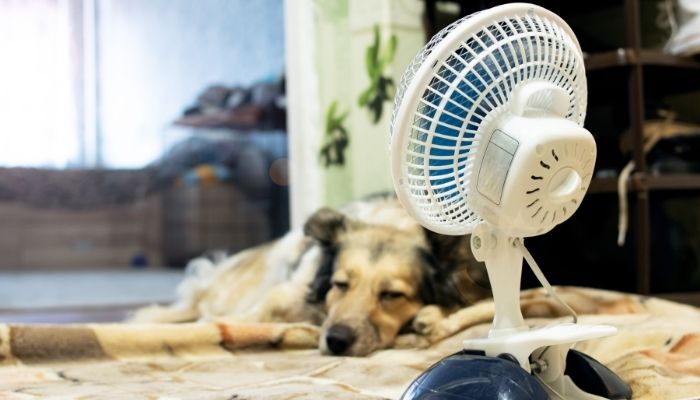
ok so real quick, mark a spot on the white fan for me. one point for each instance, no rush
(487, 139)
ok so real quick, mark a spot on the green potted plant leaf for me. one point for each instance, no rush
(335, 140)
(381, 87)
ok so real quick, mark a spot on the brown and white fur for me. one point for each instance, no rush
(364, 274)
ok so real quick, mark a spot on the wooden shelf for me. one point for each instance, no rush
(606, 59)
(640, 182)
(674, 182)
(625, 57)
(603, 185)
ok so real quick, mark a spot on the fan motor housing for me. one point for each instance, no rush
(532, 174)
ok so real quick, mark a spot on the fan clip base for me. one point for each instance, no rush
(546, 347)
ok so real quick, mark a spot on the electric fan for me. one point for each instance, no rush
(487, 140)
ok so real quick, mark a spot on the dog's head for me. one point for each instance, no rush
(375, 278)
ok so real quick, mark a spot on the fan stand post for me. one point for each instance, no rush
(504, 264)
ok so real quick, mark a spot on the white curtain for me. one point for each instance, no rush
(38, 62)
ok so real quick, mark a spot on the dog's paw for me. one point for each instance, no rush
(427, 320)
(411, 341)
(300, 335)
(442, 330)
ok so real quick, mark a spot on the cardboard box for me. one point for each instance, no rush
(216, 217)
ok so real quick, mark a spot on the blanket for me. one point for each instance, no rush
(657, 350)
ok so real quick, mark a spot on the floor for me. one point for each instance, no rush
(82, 296)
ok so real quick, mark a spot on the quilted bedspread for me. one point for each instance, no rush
(657, 350)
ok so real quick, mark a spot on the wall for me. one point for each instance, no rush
(156, 56)
(370, 145)
(335, 34)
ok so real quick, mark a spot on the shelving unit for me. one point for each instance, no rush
(628, 63)
(624, 57)
(242, 119)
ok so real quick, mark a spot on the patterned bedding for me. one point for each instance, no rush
(657, 351)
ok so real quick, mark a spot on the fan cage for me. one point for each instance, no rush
(472, 75)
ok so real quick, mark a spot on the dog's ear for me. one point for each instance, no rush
(325, 225)
(448, 248)
(437, 287)
(456, 276)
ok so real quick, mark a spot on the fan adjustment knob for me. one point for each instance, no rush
(564, 185)
(483, 242)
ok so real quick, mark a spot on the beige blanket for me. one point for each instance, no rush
(657, 351)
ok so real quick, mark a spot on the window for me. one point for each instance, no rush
(88, 83)
(38, 84)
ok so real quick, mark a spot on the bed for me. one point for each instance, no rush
(657, 350)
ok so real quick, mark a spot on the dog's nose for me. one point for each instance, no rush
(339, 338)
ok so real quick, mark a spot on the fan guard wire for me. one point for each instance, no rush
(466, 88)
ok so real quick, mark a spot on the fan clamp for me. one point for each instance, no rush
(541, 351)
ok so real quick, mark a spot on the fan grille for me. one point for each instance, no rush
(466, 85)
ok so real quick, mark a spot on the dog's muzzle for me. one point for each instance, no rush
(339, 338)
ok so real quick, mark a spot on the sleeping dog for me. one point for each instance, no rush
(364, 274)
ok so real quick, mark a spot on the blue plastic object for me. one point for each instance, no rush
(467, 376)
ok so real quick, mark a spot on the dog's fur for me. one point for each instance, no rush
(364, 274)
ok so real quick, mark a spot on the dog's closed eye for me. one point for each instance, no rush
(391, 295)
(340, 285)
